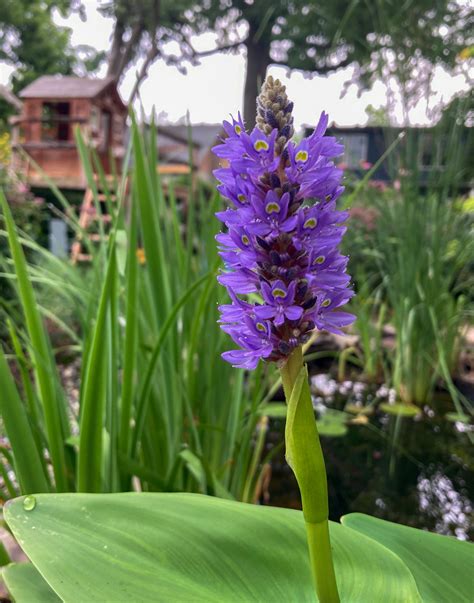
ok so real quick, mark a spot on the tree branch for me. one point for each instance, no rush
(195, 54)
(128, 49)
(316, 69)
(150, 58)
(329, 68)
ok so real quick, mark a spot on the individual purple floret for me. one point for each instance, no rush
(283, 270)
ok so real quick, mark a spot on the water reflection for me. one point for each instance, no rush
(412, 470)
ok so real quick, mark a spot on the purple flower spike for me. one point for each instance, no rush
(282, 232)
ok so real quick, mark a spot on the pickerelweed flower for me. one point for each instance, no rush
(283, 270)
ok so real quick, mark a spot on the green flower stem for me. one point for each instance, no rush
(305, 457)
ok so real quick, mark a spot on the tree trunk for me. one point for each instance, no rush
(115, 53)
(258, 59)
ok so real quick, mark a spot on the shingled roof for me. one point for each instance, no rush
(54, 86)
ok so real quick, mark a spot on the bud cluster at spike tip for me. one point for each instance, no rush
(283, 270)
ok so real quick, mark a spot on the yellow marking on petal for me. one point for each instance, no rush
(326, 303)
(328, 197)
(278, 293)
(260, 327)
(242, 198)
(272, 208)
(302, 156)
(310, 223)
(245, 240)
(237, 129)
(319, 260)
(260, 145)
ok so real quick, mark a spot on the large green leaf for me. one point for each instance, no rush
(442, 567)
(25, 583)
(186, 547)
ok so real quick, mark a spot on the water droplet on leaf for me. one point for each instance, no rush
(29, 503)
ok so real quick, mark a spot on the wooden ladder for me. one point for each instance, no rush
(89, 216)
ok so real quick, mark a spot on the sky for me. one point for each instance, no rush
(214, 89)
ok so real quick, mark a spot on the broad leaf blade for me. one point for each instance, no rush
(25, 583)
(185, 547)
(442, 566)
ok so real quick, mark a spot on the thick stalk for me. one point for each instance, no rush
(305, 457)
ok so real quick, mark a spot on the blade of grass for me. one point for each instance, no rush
(45, 369)
(150, 225)
(12, 492)
(143, 399)
(25, 377)
(131, 332)
(93, 401)
(28, 464)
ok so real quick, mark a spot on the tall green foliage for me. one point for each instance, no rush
(418, 252)
(32, 42)
(156, 401)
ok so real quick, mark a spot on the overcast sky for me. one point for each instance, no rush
(214, 89)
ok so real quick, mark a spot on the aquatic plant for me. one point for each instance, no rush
(148, 546)
(281, 247)
(277, 244)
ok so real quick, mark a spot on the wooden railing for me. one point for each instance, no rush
(44, 131)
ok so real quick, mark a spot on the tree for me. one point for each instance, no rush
(32, 42)
(374, 36)
(141, 30)
(320, 37)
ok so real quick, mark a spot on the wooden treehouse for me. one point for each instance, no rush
(44, 149)
(44, 131)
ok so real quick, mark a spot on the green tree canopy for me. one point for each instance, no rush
(32, 42)
(141, 30)
(377, 37)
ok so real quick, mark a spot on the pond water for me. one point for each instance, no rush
(414, 470)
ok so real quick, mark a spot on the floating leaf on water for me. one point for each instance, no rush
(359, 420)
(333, 414)
(457, 417)
(354, 409)
(333, 429)
(400, 409)
(275, 410)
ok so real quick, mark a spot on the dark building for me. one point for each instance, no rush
(422, 150)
